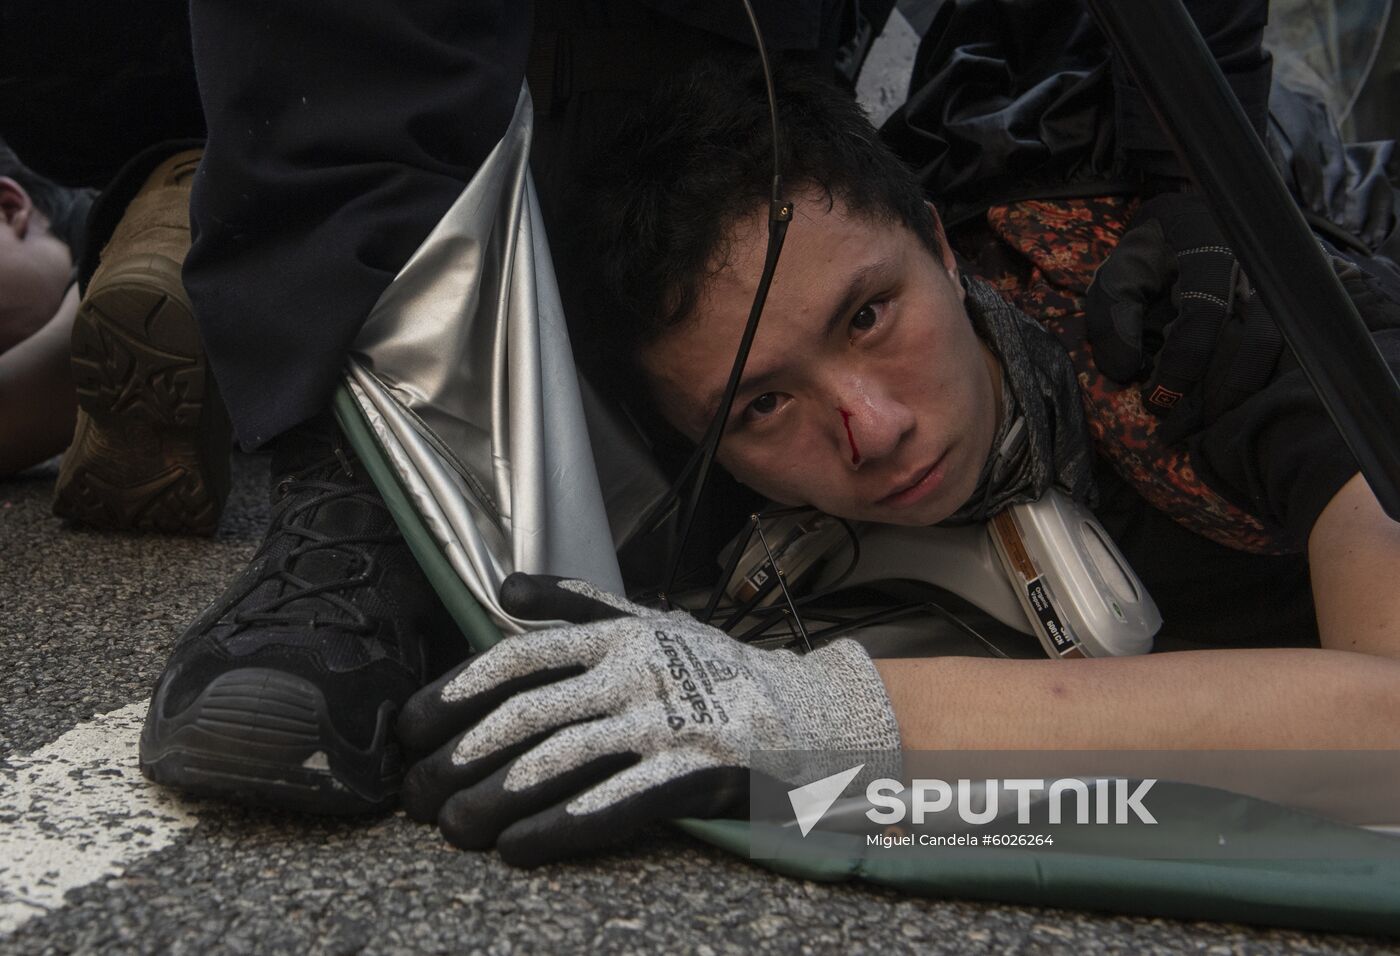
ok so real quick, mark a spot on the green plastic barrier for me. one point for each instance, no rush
(1337, 895)
(479, 630)
(1355, 895)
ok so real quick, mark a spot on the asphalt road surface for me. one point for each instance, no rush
(93, 860)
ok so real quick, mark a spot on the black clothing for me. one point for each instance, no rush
(1351, 190)
(1023, 99)
(1278, 455)
(340, 131)
(1209, 595)
(787, 25)
(1011, 94)
(1234, 33)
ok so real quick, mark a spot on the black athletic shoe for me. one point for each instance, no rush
(284, 691)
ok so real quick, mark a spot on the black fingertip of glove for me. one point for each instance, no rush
(431, 782)
(427, 721)
(426, 787)
(538, 597)
(475, 817)
(1252, 345)
(522, 594)
(555, 834)
(1136, 276)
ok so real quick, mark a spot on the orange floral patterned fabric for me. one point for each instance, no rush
(1042, 255)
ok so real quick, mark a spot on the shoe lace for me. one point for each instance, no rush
(318, 491)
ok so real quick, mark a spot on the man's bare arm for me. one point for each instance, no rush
(1292, 698)
(1345, 695)
(1354, 556)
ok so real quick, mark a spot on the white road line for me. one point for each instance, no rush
(76, 811)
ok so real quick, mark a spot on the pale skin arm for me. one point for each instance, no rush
(1345, 695)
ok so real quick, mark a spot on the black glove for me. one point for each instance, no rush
(1171, 305)
(566, 740)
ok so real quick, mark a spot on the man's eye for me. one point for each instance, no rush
(762, 409)
(765, 404)
(865, 319)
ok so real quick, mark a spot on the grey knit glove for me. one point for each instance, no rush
(569, 739)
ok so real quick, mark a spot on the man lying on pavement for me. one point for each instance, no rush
(881, 386)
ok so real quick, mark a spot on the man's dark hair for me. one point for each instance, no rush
(656, 211)
(65, 208)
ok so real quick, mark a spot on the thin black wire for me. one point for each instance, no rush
(658, 512)
(883, 616)
(781, 578)
(909, 610)
(744, 610)
(772, 100)
(779, 213)
(737, 612)
(730, 567)
(788, 613)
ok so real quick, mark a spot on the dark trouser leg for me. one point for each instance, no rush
(340, 131)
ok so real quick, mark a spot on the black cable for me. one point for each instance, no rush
(779, 214)
(737, 612)
(886, 616)
(909, 610)
(730, 567)
(657, 514)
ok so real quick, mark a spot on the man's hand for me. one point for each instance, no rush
(569, 739)
(1170, 304)
(1171, 309)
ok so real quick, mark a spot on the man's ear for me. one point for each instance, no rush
(15, 206)
(945, 250)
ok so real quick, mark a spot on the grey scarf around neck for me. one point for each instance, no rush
(1041, 439)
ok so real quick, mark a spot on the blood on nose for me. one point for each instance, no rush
(850, 436)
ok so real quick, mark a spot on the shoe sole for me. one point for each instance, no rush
(151, 451)
(264, 738)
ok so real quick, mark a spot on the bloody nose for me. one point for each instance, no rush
(850, 436)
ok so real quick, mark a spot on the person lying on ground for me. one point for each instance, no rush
(117, 376)
(330, 157)
(40, 243)
(882, 383)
